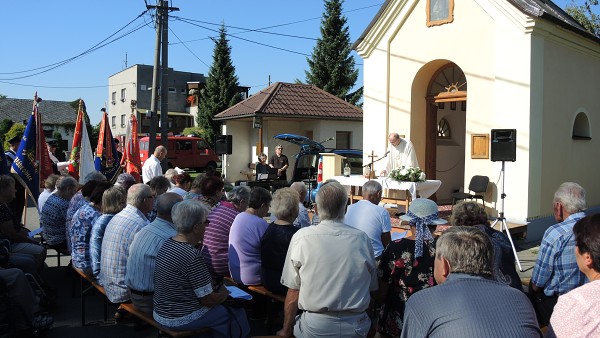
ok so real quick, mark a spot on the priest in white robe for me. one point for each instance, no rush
(400, 153)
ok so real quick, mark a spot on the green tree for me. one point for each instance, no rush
(586, 15)
(16, 129)
(221, 90)
(2, 96)
(5, 125)
(331, 66)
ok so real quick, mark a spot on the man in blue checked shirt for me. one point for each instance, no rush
(555, 271)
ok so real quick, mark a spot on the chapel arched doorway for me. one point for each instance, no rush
(446, 130)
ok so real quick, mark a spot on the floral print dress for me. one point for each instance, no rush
(404, 275)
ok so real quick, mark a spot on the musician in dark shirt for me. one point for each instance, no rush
(280, 162)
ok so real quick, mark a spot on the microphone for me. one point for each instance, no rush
(386, 154)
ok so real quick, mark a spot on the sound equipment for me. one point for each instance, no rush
(223, 144)
(504, 145)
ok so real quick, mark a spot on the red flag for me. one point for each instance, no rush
(107, 160)
(131, 156)
(82, 159)
(41, 148)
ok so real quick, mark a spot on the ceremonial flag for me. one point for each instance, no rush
(82, 158)
(131, 156)
(107, 158)
(4, 170)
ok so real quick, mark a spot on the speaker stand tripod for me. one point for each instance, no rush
(502, 220)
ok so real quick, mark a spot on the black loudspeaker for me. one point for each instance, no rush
(223, 144)
(504, 145)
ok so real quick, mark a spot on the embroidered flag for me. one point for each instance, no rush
(32, 164)
(131, 156)
(107, 158)
(82, 158)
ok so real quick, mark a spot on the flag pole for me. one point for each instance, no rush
(24, 215)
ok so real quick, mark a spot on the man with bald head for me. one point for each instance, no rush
(400, 153)
(302, 220)
(118, 236)
(368, 216)
(143, 250)
(151, 167)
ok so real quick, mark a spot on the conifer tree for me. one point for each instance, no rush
(331, 64)
(221, 90)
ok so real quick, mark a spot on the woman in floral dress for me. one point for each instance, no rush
(406, 266)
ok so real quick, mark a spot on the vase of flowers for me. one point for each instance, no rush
(408, 174)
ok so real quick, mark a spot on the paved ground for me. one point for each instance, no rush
(67, 312)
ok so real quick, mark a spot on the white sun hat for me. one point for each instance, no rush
(423, 210)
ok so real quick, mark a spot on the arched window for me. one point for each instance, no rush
(581, 127)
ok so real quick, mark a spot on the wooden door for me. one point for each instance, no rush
(431, 139)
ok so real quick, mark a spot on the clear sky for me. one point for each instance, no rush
(41, 33)
(37, 34)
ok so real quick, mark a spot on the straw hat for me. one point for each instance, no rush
(425, 209)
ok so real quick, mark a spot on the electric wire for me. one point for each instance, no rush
(247, 40)
(97, 46)
(186, 47)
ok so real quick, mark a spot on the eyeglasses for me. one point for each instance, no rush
(151, 196)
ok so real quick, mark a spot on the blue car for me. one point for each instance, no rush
(306, 168)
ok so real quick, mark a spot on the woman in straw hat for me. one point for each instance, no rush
(406, 265)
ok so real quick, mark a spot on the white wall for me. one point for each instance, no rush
(245, 140)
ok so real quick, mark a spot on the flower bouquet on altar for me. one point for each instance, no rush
(408, 174)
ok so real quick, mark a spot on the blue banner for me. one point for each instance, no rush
(27, 165)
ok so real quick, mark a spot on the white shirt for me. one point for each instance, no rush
(43, 198)
(151, 169)
(177, 190)
(401, 155)
(333, 266)
(372, 219)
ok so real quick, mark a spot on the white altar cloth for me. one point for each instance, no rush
(416, 189)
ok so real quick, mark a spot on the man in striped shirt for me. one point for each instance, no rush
(215, 249)
(143, 250)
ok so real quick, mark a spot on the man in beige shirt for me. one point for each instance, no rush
(329, 271)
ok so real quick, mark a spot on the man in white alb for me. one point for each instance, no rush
(400, 153)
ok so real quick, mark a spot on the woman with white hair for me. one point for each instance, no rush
(184, 296)
(276, 240)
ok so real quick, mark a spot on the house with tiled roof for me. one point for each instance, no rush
(57, 116)
(528, 66)
(287, 108)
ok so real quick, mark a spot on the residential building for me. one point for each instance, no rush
(135, 83)
(57, 116)
(287, 108)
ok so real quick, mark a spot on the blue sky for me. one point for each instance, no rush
(40, 33)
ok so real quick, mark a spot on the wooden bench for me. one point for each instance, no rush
(129, 307)
(93, 284)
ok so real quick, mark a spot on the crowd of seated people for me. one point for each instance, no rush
(168, 254)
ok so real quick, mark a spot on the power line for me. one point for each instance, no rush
(262, 29)
(89, 50)
(63, 87)
(245, 30)
(186, 47)
(247, 40)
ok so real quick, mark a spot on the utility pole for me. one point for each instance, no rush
(160, 68)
